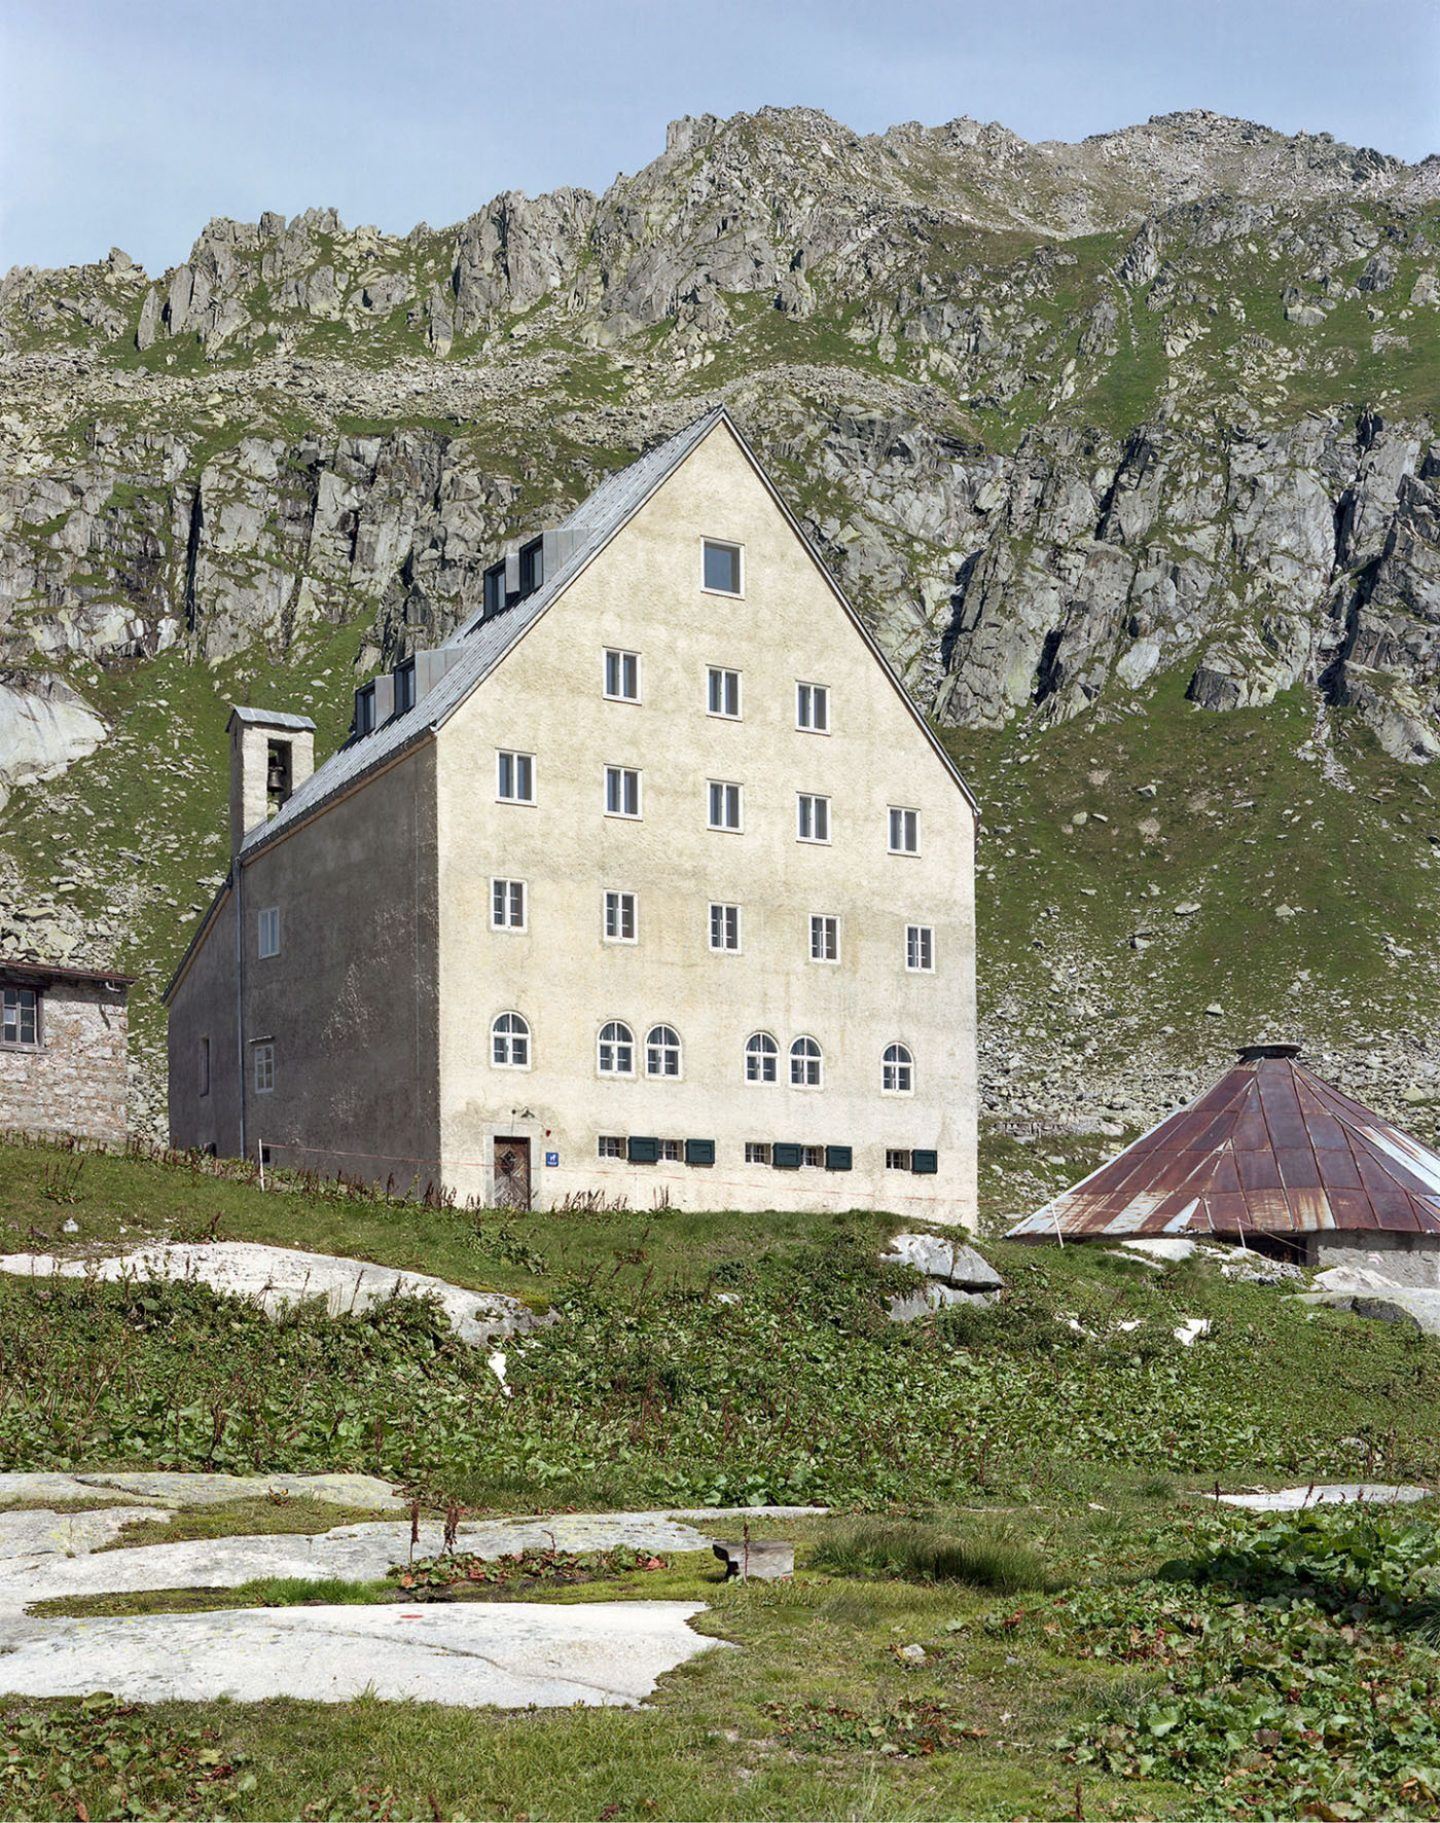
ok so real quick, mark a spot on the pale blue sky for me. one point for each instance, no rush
(130, 122)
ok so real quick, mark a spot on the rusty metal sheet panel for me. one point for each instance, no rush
(1281, 1107)
(1298, 1167)
(1258, 1171)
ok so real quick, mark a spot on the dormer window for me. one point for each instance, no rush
(365, 710)
(532, 566)
(494, 598)
(405, 687)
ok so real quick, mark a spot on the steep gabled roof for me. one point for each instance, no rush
(482, 643)
(1270, 1149)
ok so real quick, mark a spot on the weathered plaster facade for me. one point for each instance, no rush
(390, 974)
(71, 1079)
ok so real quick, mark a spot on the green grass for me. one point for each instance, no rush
(980, 1463)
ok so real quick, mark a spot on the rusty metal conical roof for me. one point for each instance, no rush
(1270, 1149)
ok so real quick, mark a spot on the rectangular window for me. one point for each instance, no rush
(494, 591)
(919, 948)
(722, 568)
(405, 688)
(610, 1145)
(812, 818)
(723, 693)
(20, 1016)
(619, 917)
(264, 1068)
(812, 708)
(904, 831)
(670, 1151)
(507, 905)
(204, 1083)
(725, 927)
(515, 777)
(622, 791)
(824, 938)
(622, 676)
(269, 932)
(897, 1158)
(724, 805)
(813, 1157)
(757, 1152)
(365, 710)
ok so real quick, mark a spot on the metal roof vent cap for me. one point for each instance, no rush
(1250, 1052)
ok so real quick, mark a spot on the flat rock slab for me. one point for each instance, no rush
(39, 1532)
(146, 1487)
(281, 1276)
(910, 1306)
(354, 1553)
(1419, 1309)
(1341, 1493)
(951, 1262)
(509, 1655)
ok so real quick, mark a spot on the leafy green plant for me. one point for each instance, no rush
(106, 1758)
(521, 1569)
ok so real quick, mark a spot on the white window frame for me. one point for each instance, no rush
(509, 1041)
(620, 896)
(725, 917)
(263, 1067)
(267, 932)
(625, 775)
(502, 898)
(726, 544)
(664, 1045)
(807, 806)
(918, 937)
(755, 1049)
(515, 757)
(902, 811)
(812, 1158)
(758, 1152)
(627, 1043)
(897, 1074)
(825, 926)
(671, 1151)
(620, 654)
(797, 1056)
(726, 676)
(726, 786)
(806, 695)
(897, 1158)
(610, 1145)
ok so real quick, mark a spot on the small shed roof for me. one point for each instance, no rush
(1269, 1150)
(17, 968)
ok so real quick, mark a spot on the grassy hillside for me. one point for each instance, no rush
(1043, 1620)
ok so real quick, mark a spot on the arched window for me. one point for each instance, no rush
(761, 1051)
(806, 1064)
(897, 1070)
(510, 1042)
(617, 1049)
(662, 1051)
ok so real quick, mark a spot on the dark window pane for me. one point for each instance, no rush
(722, 568)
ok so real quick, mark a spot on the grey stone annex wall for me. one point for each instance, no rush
(74, 1083)
(1407, 1259)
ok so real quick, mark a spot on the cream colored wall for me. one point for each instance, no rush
(643, 593)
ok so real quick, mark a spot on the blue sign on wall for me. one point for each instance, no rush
(552, 1158)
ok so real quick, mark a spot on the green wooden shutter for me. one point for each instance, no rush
(786, 1157)
(925, 1164)
(644, 1151)
(699, 1151)
(838, 1158)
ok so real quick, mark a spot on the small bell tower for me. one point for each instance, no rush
(271, 756)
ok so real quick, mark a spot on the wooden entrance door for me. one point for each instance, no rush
(512, 1173)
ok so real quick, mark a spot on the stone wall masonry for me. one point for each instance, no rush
(74, 1083)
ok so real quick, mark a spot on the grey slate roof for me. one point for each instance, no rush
(485, 643)
(271, 718)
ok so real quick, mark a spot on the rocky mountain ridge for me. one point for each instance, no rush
(1083, 429)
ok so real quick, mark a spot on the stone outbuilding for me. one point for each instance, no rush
(1274, 1159)
(63, 1037)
